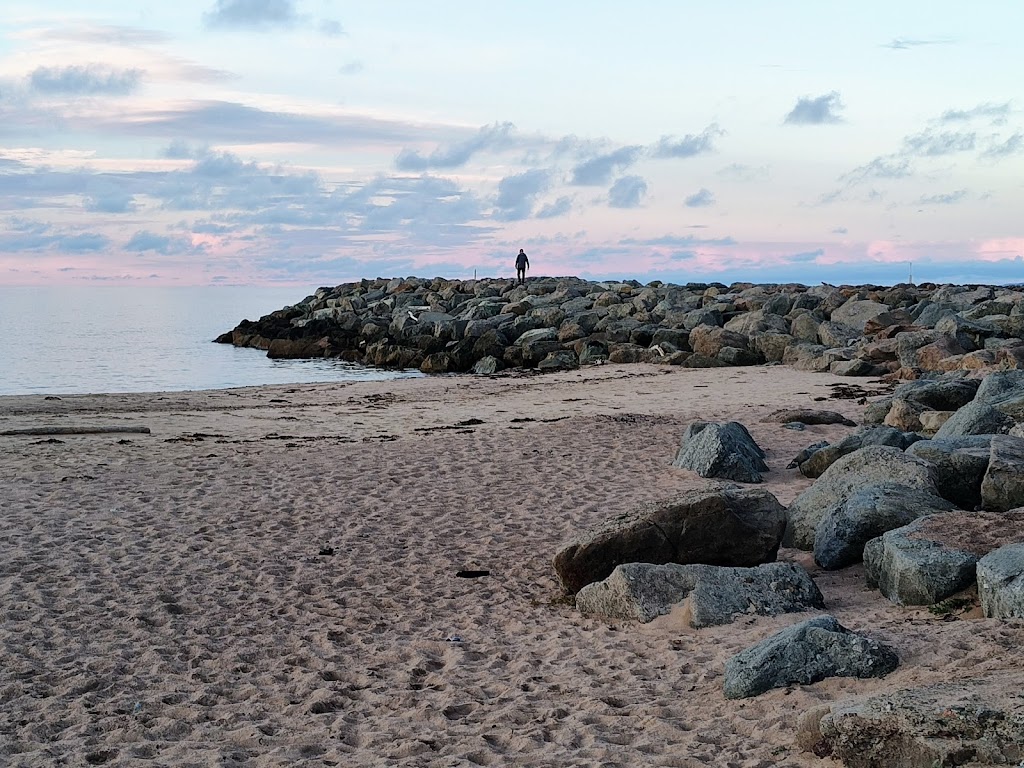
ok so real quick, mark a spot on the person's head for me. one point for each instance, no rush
(520, 250)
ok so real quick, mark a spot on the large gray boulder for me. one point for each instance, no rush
(867, 513)
(871, 466)
(708, 340)
(946, 394)
(975, 418)
(1002, 487)
(806, 653)
(960, 466)
(559, 360)
(856, 313)
(924, 562)
(977, 721)
(1003, 390)
(721, 450)
(728, 526)
(818, 461)
(716, 594)
(1001, 582)
(833, 334)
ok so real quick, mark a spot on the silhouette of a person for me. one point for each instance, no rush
(522, 264)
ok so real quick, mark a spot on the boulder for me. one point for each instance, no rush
(770, 344)
(905, 415)
(592, 351)
(932, 421)
(869, 512)
(1003, 390)
(716, 594)
(537, 334)
(977, 721)
(809, 416)
(960, 462)
(559, 360)
(975, 418)
(874, 465)
(721, 450)
(856, 313)
(1001, 582)
(909, 342)
(438, 362)
(708, 340)
(818, 461)
(856, 367)
(946, 394)
(1002, 487)
(935, 556)
(485, 366)
(737, 357)
(808, 357)
(807, 452)
(728, 526)
(806, 653)
(933, 356)
(805, 327)
(833, 334)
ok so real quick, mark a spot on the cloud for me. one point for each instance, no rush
(86, 80)
(231, 122)
(178, 149)
(219, 165)
(903, 44)
(559, 207)
(885, 167)
(111, 202)
(331, 28)
(931, 144)
(947, 199)
(995, 112)
(839, 231)
(675, 241)
(741, 172)
(351, 68)
(24, 235)
(1011, 146)
(84, 242)
(252, 14)
(690, 145)
(816, 111)
(494, 137)
(806, 256)
(517, 194)
(700, 199)
(106, 34)
(627, 192)
(144, 240)
(598, 170)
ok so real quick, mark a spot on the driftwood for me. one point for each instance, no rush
(74, 431)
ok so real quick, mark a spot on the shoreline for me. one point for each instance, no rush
(272, 583)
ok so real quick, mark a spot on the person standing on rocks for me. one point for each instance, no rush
(522, 264)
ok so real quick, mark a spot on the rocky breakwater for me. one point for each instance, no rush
(442, 326)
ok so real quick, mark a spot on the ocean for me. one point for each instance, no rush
(87, 339)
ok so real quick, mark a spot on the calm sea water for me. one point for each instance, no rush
(80, 339)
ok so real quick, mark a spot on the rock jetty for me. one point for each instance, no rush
(440, 326)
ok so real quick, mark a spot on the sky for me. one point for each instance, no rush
(314, 142)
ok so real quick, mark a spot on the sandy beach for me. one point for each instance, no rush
(269, 578)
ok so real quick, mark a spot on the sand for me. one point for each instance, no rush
(269, 578)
